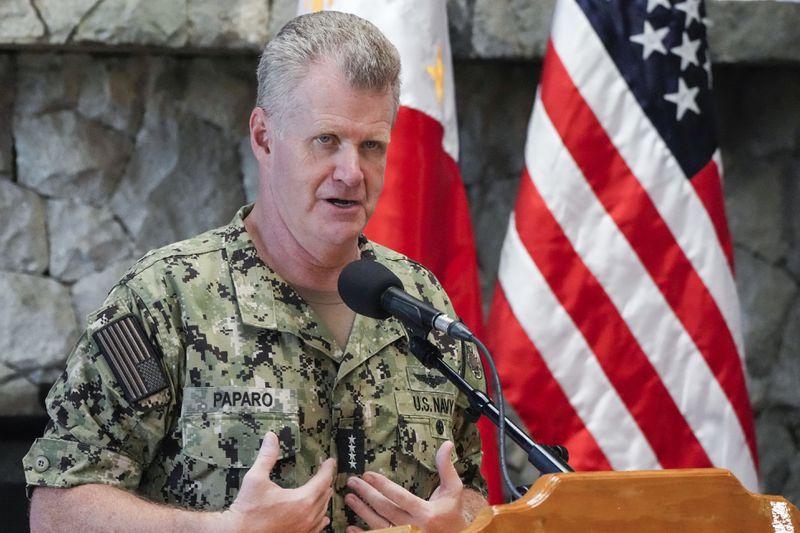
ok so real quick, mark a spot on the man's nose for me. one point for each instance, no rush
(348, 166)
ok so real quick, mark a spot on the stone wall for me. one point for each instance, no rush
(124, 128)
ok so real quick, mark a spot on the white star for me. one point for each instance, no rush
(684, 99)
(687, 51)
(692, 10)
(352, 440)
(652, 4)
(652, 40)
(353, 465)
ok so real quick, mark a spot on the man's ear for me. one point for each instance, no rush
(260, 134)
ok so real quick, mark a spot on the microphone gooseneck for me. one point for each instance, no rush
(369, 288)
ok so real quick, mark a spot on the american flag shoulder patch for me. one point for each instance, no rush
(132, 357)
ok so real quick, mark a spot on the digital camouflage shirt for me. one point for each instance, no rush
(201, 349)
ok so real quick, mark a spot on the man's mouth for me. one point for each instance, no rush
(338, 202)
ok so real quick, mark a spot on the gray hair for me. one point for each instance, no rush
(365, 56)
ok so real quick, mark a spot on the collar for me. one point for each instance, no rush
(267, 301)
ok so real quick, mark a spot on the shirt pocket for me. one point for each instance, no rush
(226, 434)
(425, 422)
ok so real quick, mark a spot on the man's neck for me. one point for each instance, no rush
(304, 268)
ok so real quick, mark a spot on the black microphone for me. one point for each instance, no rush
(371, 289)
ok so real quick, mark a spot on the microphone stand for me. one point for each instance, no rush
(546, 459)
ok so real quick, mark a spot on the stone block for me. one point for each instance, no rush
(282, 12)
(755, 204)
(222, 92)
(110, 92)
(37, 324)
(48, 82)
(784, 376)
(62, 17)
(83, 239)
(184, 177)
(747, 126)
(776, 447)
(492, 142)
(135, 22)
(753, 31)
(23, 233)
(459, 20)
(241, 24)
(8, 83)
(64, 155)
(89, 292)
(18, 396)
(766, 293)
(249, 170)
(511, 28)
(19, 22)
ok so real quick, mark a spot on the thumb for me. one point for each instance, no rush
(268, 453)
(448, 477)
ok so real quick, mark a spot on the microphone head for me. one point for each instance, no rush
(362, 284)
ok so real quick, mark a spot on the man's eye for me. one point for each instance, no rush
(372, 145)
(325, 139)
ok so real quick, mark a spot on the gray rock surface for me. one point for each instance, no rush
(110, 92)
(282, 12)
(19, 22)
(742, 32)
(7, 82)
(184, 177)
(64, 155)
(242, 24)
(135, 22)
(62, 17)
(23, 232)
(511, 28)
(89, 292)
(784, 376)
(249, 170)
(753, 31)
(18, 396)
(765, 292)
(49, 82)
(83, 239)
(222, 94)
(37, 324)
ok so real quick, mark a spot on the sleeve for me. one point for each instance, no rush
(102, 429)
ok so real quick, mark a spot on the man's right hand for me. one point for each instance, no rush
(265, 507)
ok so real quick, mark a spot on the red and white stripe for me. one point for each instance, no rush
(617, 270)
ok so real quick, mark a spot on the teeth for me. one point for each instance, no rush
(337, 201)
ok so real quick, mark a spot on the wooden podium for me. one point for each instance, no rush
(685, 501)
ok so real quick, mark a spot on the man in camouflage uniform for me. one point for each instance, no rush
(221, 371)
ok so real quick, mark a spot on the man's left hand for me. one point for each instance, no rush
(382, 503)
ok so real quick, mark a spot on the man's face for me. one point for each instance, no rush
(325, 164)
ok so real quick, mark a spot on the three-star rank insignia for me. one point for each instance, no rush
(133, 358)
(350, 448)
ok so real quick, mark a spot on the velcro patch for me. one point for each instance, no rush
(350, 448)
(132, 358)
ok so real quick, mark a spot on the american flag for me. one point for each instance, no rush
(615, 319)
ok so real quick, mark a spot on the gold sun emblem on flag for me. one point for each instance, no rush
(436, 71)
(317, 5)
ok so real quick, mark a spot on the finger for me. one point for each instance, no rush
(268, 453)
(392, 491)
(353, 529)
(367, 514)
(448, 476)
(383, 505)
(323, 478)
(322, 523)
